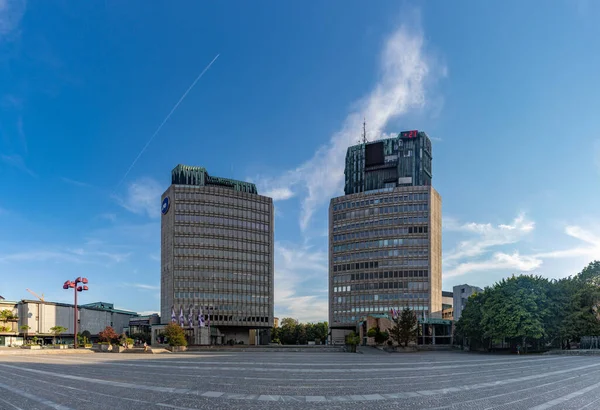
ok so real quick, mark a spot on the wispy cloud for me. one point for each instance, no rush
(143, 286)
(405, 71)
(279, 194)
(41, 256)
(299, 271)
(11, 12)
(17, 161)
(143, 197)
(465, 259)
(108, 217)
(74, 182)
(485, 236)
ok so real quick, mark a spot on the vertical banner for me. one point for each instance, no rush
(181, 317)
(173, 317)
(200, 318)
(191, 317)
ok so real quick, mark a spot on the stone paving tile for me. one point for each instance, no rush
(301, 380)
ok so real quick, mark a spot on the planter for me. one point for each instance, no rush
(177, 348)
(61, 346)
(118, 349)
(32, 347)
(106, 348)
(351, 348)
(88, 346)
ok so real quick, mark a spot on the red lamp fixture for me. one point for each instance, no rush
(77, 288)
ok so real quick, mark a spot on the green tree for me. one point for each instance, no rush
(379, 336)
(175, 335)
(405, 327)
(352, 340)
(6, 315)
(56, 331)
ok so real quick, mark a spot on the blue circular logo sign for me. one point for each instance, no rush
(165, 205)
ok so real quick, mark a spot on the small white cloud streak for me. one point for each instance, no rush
(279, 194)
(74, 182)
(404, 71)
(142, 197)
(143, 286)
(18, 162)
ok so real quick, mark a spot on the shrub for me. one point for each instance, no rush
(175, 335)
(108, 335)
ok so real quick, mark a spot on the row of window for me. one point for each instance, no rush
(224, 265)
(221, 221)
(386, 200)
(364, 213)
(220, 253)
(378, 233)
(213, 275)
(384, 296)
(382, 243)
(372, 224)
(221, 243)
(212, 198)
(385, 254)
(382, 285)
(377, 275)
(252, 215)
(226, 297)
(190, 233)
(225, 286)
(382, 309)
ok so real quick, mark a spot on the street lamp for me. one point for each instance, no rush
(77, 288)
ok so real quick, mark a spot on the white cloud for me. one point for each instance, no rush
(148, 312)
(41, 256)
(74, 182)
(279, 194)
(300, 269)
(499, 261)
(11, 12)
(460, 262)
(143, 286)
(405, 69)
(486, 236)
(143, 197)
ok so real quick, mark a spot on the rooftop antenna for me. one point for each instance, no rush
(363, 139)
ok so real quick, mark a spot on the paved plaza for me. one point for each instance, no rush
(274, 380)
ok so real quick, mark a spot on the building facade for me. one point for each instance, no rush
(385, 234)
(35, 318)
(447, 304)
(461, 294)
(217, 255)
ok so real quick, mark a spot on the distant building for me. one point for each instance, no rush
(461, 294)
(39, 317)
(447, 305)
(385, 234)
(217, 256)
(275, 322)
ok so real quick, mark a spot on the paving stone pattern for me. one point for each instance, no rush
(274, 380)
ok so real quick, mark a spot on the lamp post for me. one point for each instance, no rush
(77, 288)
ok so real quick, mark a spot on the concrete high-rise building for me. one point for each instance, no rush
(385, 234)
(461, 294)
(217, 255)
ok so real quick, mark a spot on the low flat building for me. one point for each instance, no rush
(9, 324)
(431, 331)
(35, 318)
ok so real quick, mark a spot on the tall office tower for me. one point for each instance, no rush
(217, 255)
(385, 234)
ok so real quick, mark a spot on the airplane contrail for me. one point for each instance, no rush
(165, 120)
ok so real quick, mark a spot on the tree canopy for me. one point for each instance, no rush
(292, 332)
(532, 309)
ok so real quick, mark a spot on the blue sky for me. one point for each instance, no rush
(508, 91)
